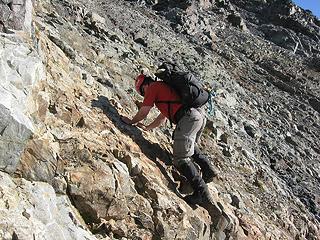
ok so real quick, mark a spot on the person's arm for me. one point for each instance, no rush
(156, 123)
(140, 115)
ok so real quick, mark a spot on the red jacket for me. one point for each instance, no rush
(164, 97)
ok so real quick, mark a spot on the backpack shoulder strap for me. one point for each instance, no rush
(171, 118)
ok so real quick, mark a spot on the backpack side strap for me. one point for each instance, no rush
(211, 110)
(171, 118)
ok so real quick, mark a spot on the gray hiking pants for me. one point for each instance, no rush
(187, 134)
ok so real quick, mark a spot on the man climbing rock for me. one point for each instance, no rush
(190, 122)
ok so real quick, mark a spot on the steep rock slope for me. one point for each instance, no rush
(66, 86)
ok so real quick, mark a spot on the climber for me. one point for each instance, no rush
(189, 126)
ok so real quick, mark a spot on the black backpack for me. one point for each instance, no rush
(187, 86)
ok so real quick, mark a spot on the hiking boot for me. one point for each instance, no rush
(209, 174)
(200, 198)
(200, 189)
(195, 198)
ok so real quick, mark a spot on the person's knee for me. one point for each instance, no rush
(198, 155)
(183, 148)
(177, 162)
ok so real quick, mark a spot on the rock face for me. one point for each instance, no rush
(71, 169)
(15, 15)
(21, 69)
(32, 210)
